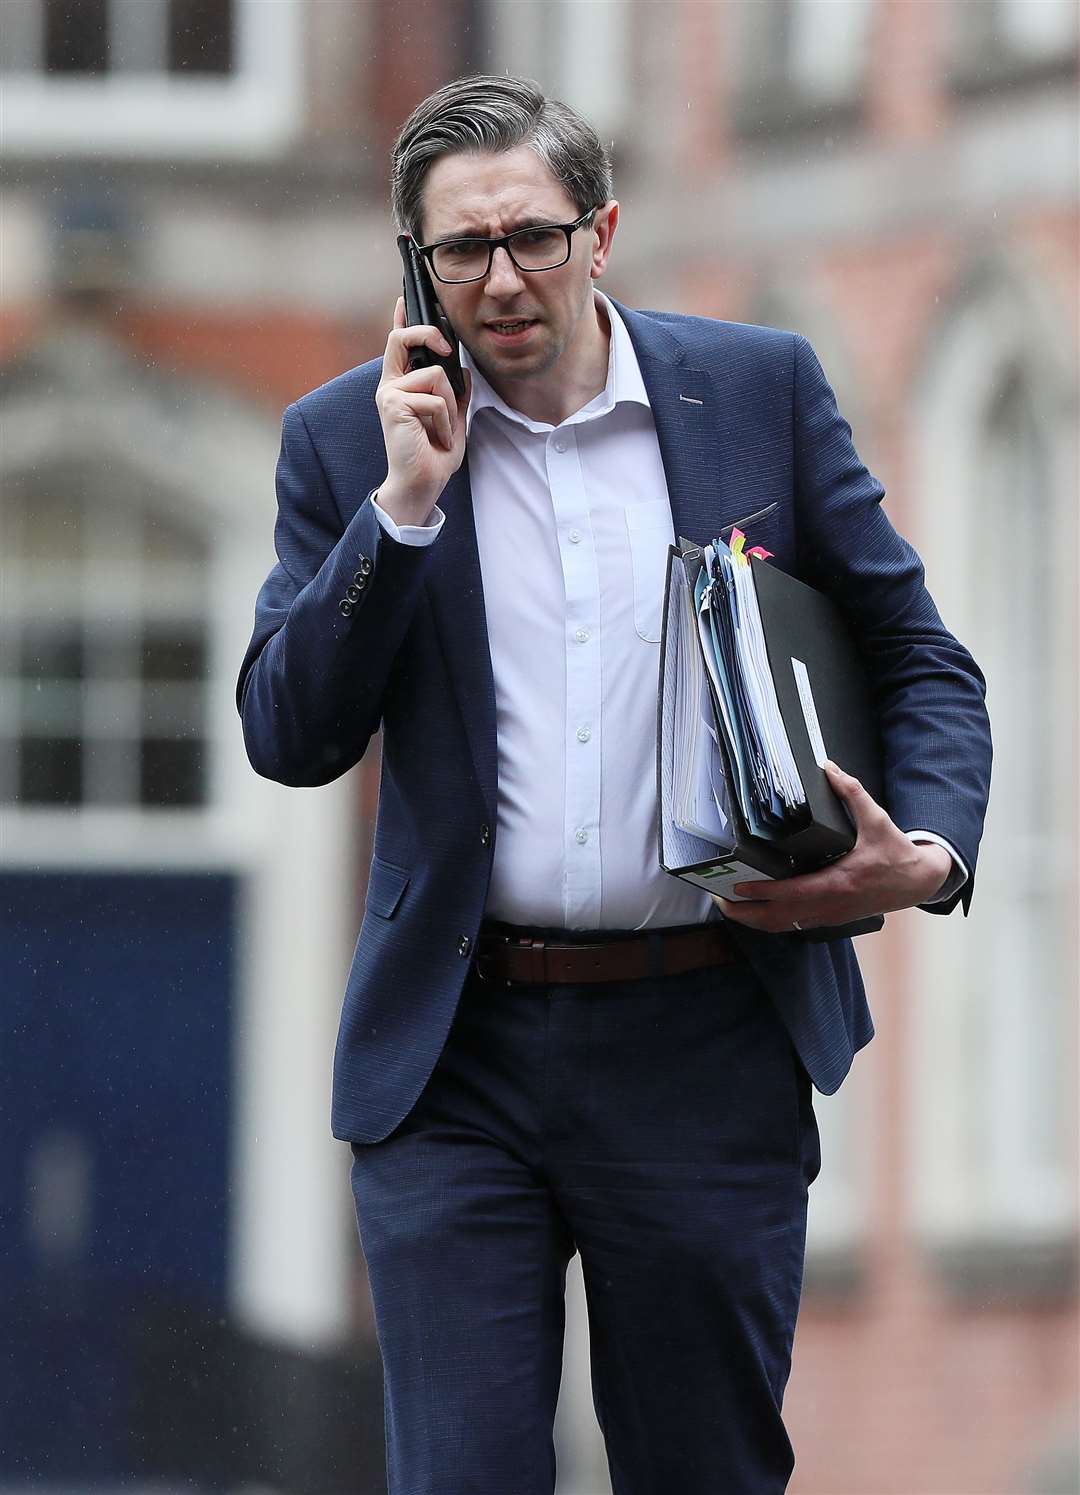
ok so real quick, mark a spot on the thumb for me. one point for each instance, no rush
(848, 788)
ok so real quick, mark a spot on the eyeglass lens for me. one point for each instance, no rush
(530, 249)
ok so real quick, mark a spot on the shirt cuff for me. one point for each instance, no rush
(410, 534)
(959, 874)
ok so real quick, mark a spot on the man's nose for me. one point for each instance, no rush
(504, 277)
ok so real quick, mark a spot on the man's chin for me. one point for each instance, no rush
(509, 362)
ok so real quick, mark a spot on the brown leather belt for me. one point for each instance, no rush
(507, 953)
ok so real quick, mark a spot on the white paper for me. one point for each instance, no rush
(754, 662)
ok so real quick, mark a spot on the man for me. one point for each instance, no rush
(548, 1044)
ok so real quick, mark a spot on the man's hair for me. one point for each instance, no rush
(490, 113)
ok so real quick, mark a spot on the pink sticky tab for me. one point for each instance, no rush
(762, 555)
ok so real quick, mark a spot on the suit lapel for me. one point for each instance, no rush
(456, 589)
(693, 426)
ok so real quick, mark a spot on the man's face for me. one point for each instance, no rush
(485, 196)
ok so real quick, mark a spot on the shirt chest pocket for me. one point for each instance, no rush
(649, 530)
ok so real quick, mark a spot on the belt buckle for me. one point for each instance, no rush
(480, 958)
(523, 942)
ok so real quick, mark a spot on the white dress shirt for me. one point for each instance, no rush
(573, 523)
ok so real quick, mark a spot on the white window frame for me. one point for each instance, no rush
(1035, 29)
(579, 51)
(105, 714)
(1040, 28)
(828, 48)
(980, 1179)
(823, 57)
(251, 113)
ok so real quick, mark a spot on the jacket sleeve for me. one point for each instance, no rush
(929, 691)
(329, 621)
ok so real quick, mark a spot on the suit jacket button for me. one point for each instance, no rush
(344, 607)
(485, 834)
(352, 593)
(365, 566)
(360, 579)
(464, 945)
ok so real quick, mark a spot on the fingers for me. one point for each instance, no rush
(463, 400)
(431, 411)
(767, 917)
(431, 380)
(395, 395)
(401, 339)
(828, 882)
(774, 905)
(844, 784)
(849, 788)
(782, 918)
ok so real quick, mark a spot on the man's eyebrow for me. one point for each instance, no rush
(528, 220)
(534, 220)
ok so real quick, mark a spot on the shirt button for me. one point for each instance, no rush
(581, 837)
(582, 635)
(464, 945)
(560, 445)
(574, 536)
(485, 834)
(583, 734)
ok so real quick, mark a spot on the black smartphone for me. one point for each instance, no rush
(422, 308)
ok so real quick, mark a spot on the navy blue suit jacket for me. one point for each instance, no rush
(758, 425)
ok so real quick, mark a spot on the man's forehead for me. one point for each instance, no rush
(480, 193)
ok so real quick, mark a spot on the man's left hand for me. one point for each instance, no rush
(884, 871)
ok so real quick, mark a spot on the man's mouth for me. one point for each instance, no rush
(507, 327)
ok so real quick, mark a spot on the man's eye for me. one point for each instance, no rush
(459, 248)
(535, 238)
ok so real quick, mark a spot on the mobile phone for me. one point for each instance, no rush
(422, 308)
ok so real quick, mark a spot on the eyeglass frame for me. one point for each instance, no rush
(428, 250)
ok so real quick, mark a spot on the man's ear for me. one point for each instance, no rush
(604, 225)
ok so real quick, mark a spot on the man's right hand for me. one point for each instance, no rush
(423, 423)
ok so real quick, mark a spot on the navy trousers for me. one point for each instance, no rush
(664, 1129)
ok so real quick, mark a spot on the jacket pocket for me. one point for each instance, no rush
(386, 888)
(649, 528)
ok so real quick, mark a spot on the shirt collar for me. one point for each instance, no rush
(624, 382)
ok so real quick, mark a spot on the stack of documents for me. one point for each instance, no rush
(754, 741)
(758, 673)
(700, 799)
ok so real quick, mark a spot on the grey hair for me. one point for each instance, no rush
(493, 112)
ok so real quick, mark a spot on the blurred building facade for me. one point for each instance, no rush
(194, 233)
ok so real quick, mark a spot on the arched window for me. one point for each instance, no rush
(995, 1160)
(1012, 617)
(162, 904)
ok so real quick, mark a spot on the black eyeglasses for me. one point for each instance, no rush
(545, 247)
